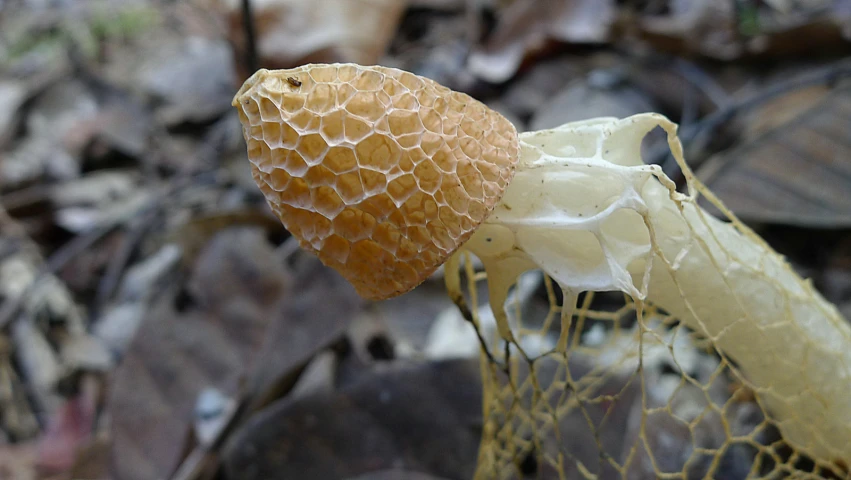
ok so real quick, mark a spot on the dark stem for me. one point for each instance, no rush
(250, 39)
(828, 76)
(467, 314)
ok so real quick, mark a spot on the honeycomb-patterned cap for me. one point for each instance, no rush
(380, 172)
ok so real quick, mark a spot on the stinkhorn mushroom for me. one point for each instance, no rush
(384, 175)
(381, 173)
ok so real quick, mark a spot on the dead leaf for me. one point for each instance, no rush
(49, 151)
(16, 413)
(17, 462)
(195, 233)
(140, 279)
(292, 32)
(437, 4)
(314, 316)
(85, 352)
(92, 462)
(703, 26)
(12, 96)
(782, 110)
(117, 326)
(420, 418)
(82, 219)
(674, 435)
(190, 78)
(318, 375)
(395, 474)
(524, 25)
(434, 42)
(533, 88)
(30, 81)
(238, 326)
(409, 317)
(94, 189)
(590, 433)
(38, 362)
(729, 30)
(122, 127)
(69, 429)
(582, 100)
(796, 173)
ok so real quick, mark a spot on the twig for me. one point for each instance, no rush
(68, 251)
(214, 141)
(59, 259)
(700, 79)
(250, 39)
(199, 458)
(467, 314)
(689, 133)
(690, 106)
(287, 249)
(118, 262)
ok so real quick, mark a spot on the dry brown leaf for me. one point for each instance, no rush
(190, 77)
(239, 326)
(703, 26)
(534, 87)
(69, 429)
(38, 361)
(292, 32)
(12, 96)
(409, 317)
(796, 173)
(194, 234)
(16, 91)
(182, 66)
(83, 219)
(438, 4)
(422, 418)
(729, 30)
(582, 100)
(525, 24)
(94, 189)
(395, 474)
(17, 462)
(688, 421)
(780, 111)
(45, 151)
(92, 462)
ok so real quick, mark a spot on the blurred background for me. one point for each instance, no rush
(157, 322)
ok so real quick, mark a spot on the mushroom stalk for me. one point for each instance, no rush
(585, 209)
(384, 175)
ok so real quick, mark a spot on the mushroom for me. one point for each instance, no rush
(381, 173)
(384, 174)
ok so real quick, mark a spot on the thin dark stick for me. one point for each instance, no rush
(467, 314)
(695, 76)
(56, 262)
(117, 264)
(74, 247)
(826, 76)
(250, 39)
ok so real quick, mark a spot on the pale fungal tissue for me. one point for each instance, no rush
(384, 174)
(381, 173)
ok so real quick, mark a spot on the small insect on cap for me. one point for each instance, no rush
(381, 173)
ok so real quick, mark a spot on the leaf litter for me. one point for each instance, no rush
(156, 322)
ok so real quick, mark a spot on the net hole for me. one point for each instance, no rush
(380, 348)
(529, 465)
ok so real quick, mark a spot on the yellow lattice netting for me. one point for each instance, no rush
(747, 379)
(676, 343)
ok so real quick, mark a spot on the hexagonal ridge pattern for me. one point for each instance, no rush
(380, 172)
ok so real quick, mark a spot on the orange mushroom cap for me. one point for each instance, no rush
(381, 173)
